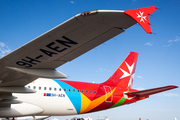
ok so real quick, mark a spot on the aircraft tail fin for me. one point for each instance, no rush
(123, 76)
(142, 16)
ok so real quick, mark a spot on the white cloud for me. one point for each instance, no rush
(103, 70)
(167, 45)
(149, 44)
(175, 40)
(140, 88)
(168, 94)
(139, 76)
(2, 44)
(72, 2)
(170, 42)
(4, 49)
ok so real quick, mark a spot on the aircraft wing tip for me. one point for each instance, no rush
(141, 16)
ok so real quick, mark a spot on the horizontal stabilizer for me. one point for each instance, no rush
(144, 93)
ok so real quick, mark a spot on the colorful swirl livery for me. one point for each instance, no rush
(29, 81)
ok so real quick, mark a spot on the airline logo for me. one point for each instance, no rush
(141, 16)
(128, 73)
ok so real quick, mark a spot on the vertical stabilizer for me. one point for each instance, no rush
(123, 76)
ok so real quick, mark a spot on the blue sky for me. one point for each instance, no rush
(159, 54)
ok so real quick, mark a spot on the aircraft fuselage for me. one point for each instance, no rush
(57, 97)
